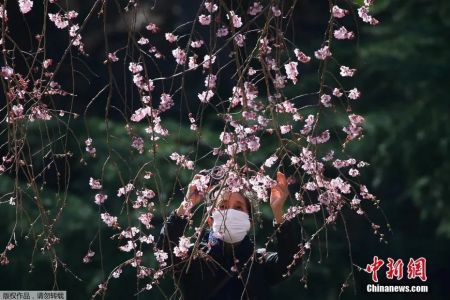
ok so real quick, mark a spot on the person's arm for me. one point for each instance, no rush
(276, 263)
(176, 223)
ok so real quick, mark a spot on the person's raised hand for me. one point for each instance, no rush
(193, 197)
(278, 196)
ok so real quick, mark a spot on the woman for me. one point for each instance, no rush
(225, 265)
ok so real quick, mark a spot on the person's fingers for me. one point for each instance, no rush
(281, 178)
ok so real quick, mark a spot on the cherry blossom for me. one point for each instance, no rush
(204, 20)
(95, 184)
(183, 247)
(59, 20)
(100, 198)
(182, 161)
(354, 94)
(291, 71)
(180, 56)
(235, 20)
(25, 6)
(302, 57)
(338, 12)
(210, 7)
(343, 34)
(109, 220)
(171, 38)
(322, 53)
(255, 9)
(326, 100)
(347, 72)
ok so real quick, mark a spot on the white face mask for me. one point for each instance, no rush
(230, 225)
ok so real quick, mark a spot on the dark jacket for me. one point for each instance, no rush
(218, 274)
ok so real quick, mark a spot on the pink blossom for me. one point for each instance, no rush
(95, 184)
(253, 143)
(100, 198)
(364, 192)
(239, 40)
(347, 72)
(322, 53)
(59, 20)
(285, 129)
(313, 208)
(47, 63)
(180, 56)
(308, 124)
(276, 11)
(362, 164)
(109, 220)
(135, 67)
(112, 57)
(170, 37)
(141, 113)
(210, 81)
(130, 245)
(73, 30)
(280, 81)
(363, 13)
(3, 13)
(182, 161)
(197, 44)
(208, 61)
(302, 57)
(338, 12)
(25, 6)
(338, 163)
(270, 161)
(117, 272)
(326, 100)
(356, 119)
(89, 148)
(88, 257)
(291, 71)
(125, 189)
(343, 34)
(147, 239)
(262, 184)
(337, 92)
(353, 172)
(354, 94)
(222, 31)
(161, 257)
(71, 14)
(152, 28)
(255, 9)
(204, 20)
(264, 47)
(226, 137)
(143, 41)
(6, 72)
(138, 144)
(320, 139)
(166, 102)
(210, 7)
(192, 64)
(236, 21)
(146, 220)
(183, 247)
(206, 96)
(39, 112)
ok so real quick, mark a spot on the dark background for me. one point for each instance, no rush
(403, 66)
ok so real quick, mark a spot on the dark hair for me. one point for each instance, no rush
(217, 191)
